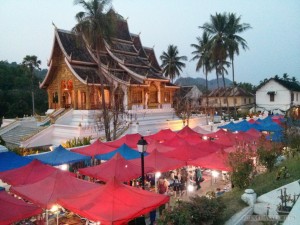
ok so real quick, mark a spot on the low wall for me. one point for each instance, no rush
(240, 217)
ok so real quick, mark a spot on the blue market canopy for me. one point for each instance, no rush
(59, 156)
(10, 160)
(229, 126)
(125, 151)
(276, 137)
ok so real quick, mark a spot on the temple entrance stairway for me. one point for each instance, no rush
(70, 124)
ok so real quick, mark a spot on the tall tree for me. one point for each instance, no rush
(225, 29)
(217, 29)
(96, 26)
(234, 41)
(203, 56)
(172, 63)
(30, 63)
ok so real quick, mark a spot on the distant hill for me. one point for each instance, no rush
(200, 82)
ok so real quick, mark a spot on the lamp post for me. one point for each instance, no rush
(142, 147)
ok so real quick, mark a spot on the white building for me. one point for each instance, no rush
(278, 96)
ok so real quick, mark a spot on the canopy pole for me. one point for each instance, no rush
(47, 222)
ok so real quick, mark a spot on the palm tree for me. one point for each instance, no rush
(234, 27)
(217, 28)
(172, 63)
(31, 62)
(224, 29)
(96, 27)
(203, 56)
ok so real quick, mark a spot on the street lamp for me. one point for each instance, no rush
(142, 147)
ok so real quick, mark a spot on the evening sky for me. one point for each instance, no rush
(274, 40)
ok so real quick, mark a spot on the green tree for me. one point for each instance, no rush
(203, 56)
(96, 27)
(30, 63)
(234, 28)
(197, 211)
(172, 63)
(247, 86)
(217, 29)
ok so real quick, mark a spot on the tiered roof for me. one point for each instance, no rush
(124, 59)
(230, 92)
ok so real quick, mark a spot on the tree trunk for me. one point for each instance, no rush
(234, 86)
(106, 120)
(223, 77)
(206, 106)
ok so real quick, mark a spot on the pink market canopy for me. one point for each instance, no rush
(113, 203)
(216, 161)
(187, 152)
(160, 162)
(187, 131)
(130, 140)
(13, 210)
(28, 174)
(117, 166)
(45, 193)
(155, 145)
(96, 148)
(162, 135)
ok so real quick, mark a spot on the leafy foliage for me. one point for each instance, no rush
(76, 142)
(242, 166)
(172, 63)
(2, 142)
(268, 152)
(199, 210)
(15, 91)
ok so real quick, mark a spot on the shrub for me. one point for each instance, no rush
(197, 211)
(268, 152)
(2, 142)
(242, 166)
(76, 142)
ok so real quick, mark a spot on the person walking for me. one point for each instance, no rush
(198, 175)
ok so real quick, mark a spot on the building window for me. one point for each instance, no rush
(272, 97)
(292, 96)
(297, 97)
(167, 97)
(224, 101)
(235, 101)
(137, 97)
(249, 100)
(216, 101)
(245, 101)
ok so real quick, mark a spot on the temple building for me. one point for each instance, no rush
(130, 73)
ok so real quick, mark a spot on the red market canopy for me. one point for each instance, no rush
(186, 131)
(96, 148)
(216, 161)
(28, 174)
(130, 140)
(113, 203)
(155, 145)
(253, 132)
(160, 162)
(162, 135)
(187, 152)
(175, 142)
(45, 193)
(13, 210)
(117, 166)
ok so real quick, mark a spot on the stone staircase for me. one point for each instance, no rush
(16, 135)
